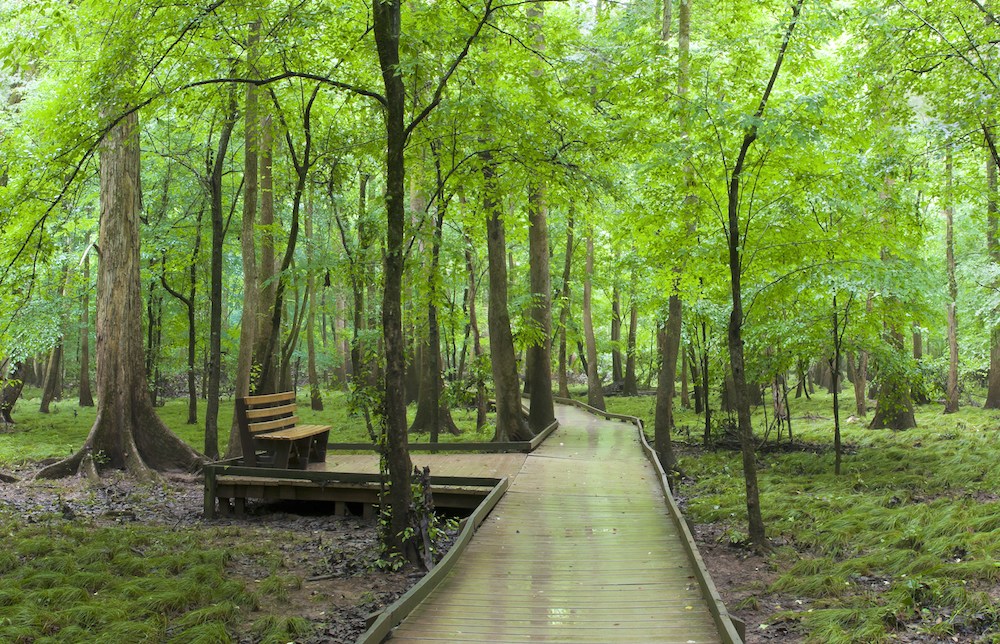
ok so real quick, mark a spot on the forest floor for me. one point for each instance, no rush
(318, 567)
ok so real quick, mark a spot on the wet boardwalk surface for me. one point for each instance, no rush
(581, 549)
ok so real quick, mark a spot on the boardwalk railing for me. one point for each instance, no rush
(393, 614)
(732, 629)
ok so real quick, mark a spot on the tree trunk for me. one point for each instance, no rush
(127, 433)
(617, 375)
(993, 247)
(86, 397)
(539, 361)
(894, 409)
(861, 383)
(835, 370)
(50, 391)
(359, 361)
(192, 332)
(248, 252)
(564, 307)
(477, 348)
(266, 304)
(951, 389)
(631, 387)
(10, 390)
(595, 393)
(685, 395)
(669, 337)
(511, 424)
(387, 17)
(215, 166)
(433, 413)
(736, 360)
(315, 396)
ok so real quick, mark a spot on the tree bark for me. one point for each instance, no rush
(539, 360)
(736, 359)
(511, 424)
(595, 393)
(631, 386)
(993, 247)
(617, 375)
(433, 413)
(860, 383)
(189, 305)
(215, 164)
(669, 343)
(315, 395)
(10, 390)
(127, 433)
(387, 18)
(266, 270)
(248, 251)
(477, 348)
(86, 397)
(564, 305)
(951, 389)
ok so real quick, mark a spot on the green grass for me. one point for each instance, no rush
(37, 436)
(909, 533)
(137, 583)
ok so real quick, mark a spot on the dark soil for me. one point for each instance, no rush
(333, 556)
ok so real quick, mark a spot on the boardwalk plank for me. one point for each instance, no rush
(581, 549)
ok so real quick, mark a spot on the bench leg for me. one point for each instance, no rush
(282, 451)
(240, 506)
(317, 447)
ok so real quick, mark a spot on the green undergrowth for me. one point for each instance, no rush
(72, 581)
(908, 534)
(37, 436)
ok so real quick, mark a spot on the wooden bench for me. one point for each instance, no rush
(271, 436)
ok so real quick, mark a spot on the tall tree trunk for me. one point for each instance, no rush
(86, 397)
(835, 370)
(387, 17)
(736, 359)
(248, 251)
(539, 361)
(11, 385)
(154, 326)
(268, 286)
(126, 432)
(189, 306)
(564, 308)
(993, 247)
(50, 391)
(511, 424)
(918, 390)
(477, 349)
(595, 393)
(315, 396)
(617, 375)
(951, 390)
(861, 383)
(215, 166)
(894, 409)
(670, 341)
(631, 387)
(433, 413)
(359, 360)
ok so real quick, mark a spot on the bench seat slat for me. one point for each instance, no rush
(269, 399)
(294, 433)
(270, 425)
(271, 412)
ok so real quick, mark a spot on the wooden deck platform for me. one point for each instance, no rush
(582, 548)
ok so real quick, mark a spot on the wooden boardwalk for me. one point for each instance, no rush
(580, 549)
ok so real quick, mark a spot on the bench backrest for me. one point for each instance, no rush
(265, 413)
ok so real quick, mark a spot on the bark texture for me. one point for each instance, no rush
(539, 358)
(511, 424)
(595, 392)
(127, 434)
